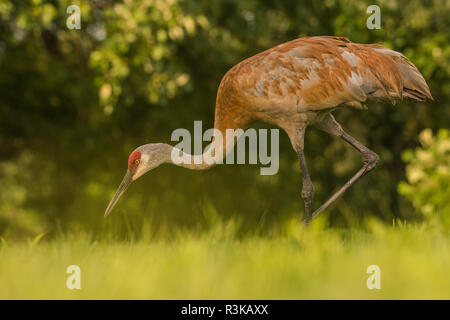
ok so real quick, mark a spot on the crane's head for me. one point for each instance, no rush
(140, 161)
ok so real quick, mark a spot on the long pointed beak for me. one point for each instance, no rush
(127, 180)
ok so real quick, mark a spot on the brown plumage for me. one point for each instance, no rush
(312, 75)
(297, 84)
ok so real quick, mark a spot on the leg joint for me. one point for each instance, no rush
(370, 159)
(307, 190)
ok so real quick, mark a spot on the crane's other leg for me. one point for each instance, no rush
(331, 126)
(298, 142)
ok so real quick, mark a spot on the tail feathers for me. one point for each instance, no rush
(414, 85)
(414, 94)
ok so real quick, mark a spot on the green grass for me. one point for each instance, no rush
(307, 264)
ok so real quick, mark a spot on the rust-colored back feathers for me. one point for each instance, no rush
(313, 74)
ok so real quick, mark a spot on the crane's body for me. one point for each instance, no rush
(294, 85)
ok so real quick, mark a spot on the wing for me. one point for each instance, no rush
(323, 72)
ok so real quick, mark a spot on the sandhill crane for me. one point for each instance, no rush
(294, 85)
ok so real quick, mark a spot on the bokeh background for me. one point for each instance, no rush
(75, 103)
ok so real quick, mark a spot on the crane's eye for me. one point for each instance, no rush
(136, 162)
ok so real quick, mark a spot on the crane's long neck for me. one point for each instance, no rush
(213, 154)
(225, 119)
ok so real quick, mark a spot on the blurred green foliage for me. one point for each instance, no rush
(428, 176)
(74, 103)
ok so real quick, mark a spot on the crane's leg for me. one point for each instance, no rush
(307, 187)
(331, 126)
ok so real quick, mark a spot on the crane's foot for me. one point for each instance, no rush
(306, 222)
